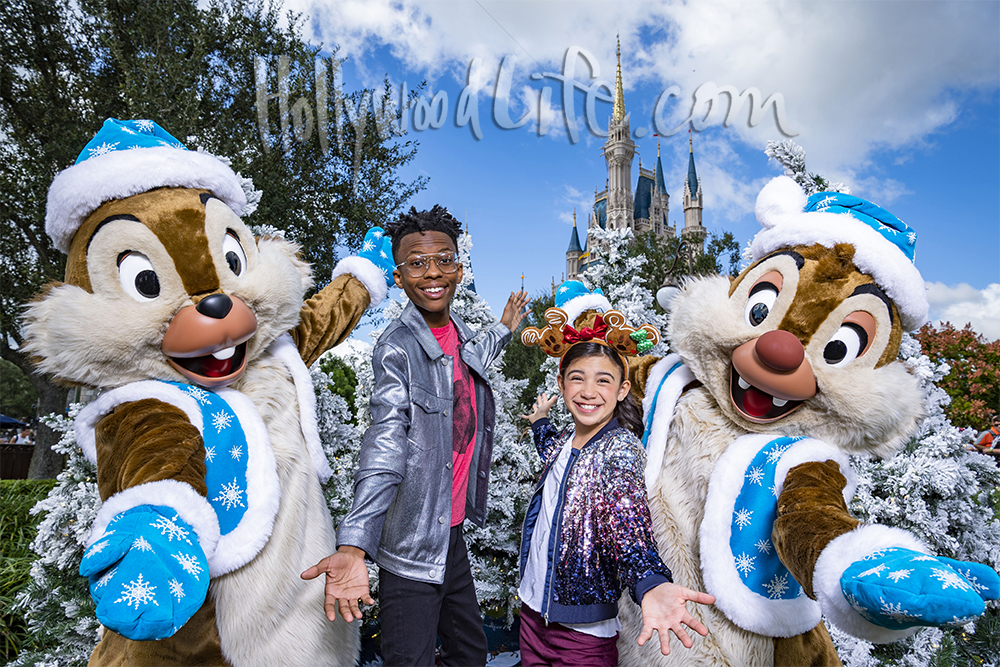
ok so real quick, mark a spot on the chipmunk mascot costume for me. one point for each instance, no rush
(776, 379)
(208, 456)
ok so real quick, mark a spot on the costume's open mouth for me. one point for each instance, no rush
(221, 363)
(755, 404)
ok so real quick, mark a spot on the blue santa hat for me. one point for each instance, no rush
(884, 246)
(573, 297)
(128, 157)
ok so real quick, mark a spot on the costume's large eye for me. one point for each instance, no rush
(846, 345)
(233, 251)
(759, 304)
(138, 279)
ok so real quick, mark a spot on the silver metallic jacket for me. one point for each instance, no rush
(401, 514)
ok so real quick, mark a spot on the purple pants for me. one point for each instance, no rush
(555, 645)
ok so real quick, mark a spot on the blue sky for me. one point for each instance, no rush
(898, 100)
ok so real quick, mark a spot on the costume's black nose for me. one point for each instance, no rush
(216, 306)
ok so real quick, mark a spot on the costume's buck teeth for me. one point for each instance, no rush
(222, 355)
(743, 383)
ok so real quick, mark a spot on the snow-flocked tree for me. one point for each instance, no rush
(945, 495)
(57, 604)
(792, 157)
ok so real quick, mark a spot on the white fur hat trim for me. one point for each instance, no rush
(580, 304)
(77, 191)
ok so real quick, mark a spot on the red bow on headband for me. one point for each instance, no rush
(599, 331)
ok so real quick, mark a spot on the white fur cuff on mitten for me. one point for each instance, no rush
(839, 555)
(366, 272)
(178, 496)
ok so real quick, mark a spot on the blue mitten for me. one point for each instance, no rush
(899, 588)
(377, 248)
(148, 573)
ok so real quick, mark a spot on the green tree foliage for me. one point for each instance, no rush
(973, 381)
(66, 66)
(17, 497)
(17, 396)
(522, 362)
(662, 257)
(343, 380)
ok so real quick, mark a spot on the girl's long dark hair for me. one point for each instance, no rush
(627, 411)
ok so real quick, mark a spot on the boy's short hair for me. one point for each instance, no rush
(438, 219)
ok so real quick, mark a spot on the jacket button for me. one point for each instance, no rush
(444, 361)
(440, 519)
(448, 465)
(445, 413)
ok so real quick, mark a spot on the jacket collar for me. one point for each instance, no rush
(417, 325)
(610, 426)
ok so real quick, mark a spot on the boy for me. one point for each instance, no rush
(424, 461)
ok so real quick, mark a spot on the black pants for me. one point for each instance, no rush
(413, 614)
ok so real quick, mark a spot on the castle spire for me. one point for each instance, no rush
(692, 179)
(619, 111)
(574, 242)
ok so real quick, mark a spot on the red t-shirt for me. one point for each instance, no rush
(463, 422)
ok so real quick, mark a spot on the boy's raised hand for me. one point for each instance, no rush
(541, 408)
(514, 311)
(346, 582)
(663, 609)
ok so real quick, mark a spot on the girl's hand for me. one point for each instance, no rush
(663, 609)
(541, 408)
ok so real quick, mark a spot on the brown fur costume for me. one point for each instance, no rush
(95, 330)
(769, 329)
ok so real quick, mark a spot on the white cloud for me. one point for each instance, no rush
(582, 203)
(856, 77)
(961, 304)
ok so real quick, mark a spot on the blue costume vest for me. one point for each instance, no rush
(739, 563)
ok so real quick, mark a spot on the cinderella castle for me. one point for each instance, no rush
(646, 209)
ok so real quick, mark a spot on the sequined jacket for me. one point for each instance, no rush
(601, 540)
(401, 515)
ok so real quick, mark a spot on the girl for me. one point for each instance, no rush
(587, 532)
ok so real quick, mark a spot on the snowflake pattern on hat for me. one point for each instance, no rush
(882, 221)
(126, 158)
(126, 135)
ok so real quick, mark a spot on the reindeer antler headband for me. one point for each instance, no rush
(609, 329)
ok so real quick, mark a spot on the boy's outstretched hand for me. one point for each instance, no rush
(663, 609)
(514, 311)
(541, 408)
(346, 582)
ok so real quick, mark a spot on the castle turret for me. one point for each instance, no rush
(694, 231)
(659, 206)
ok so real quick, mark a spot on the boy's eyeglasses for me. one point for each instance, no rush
(417, 265)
